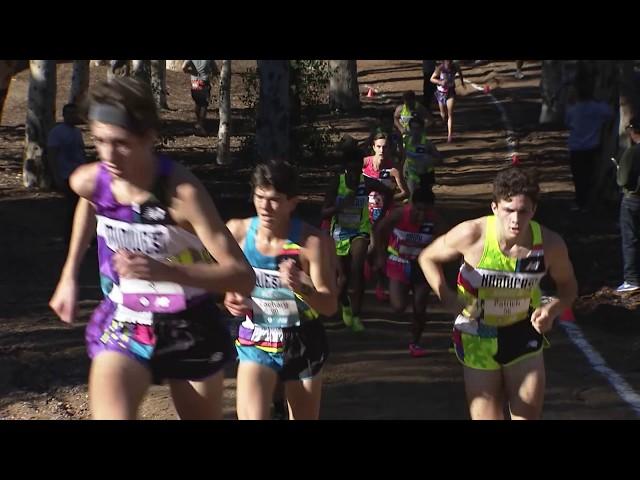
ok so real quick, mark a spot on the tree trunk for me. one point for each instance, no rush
(294, 86)
(606, 77)
(159, 83)
(344, 94)
(141, 69)
(7, 69)
(79, 81)
(224, 134)
(40, 119)
(555, 81)
(272, 123)
(174, 65)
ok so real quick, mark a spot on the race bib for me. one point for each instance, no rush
(506, 306)
(500, 312)
(275, 313)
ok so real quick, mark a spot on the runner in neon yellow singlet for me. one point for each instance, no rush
(401, 116)
(500, 324)
(346, 204)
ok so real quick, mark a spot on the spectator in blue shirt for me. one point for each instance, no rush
(585, 120)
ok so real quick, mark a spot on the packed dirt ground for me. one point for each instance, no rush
(43, 363)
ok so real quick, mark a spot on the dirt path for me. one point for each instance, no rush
(43, 365)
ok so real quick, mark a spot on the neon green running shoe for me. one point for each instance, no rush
(347, 315)
(357, 325)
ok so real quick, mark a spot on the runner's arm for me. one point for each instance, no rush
(396, 118)
(82, 181)
(231, 272)
(237, 304)
(320, 291)
(401, 183)
(383, 230)
(65, 297)
(561, 271)
(446, 248)
(434, 77)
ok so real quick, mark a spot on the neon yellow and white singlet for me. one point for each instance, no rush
(501, 290)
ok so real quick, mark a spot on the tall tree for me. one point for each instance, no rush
(344, 94)
(79, 81)
(40, 118)
(159, 82)
(272, 123)
(7, 68)
(295, 102)
(175, 65)
(555, 87)
(606, 77)
(224, 133)
(141, 69)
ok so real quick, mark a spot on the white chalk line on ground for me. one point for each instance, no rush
(620, 385)
(503, 116)
(575, 334)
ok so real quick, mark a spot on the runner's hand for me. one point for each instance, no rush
(292, 277)
(64, 301)
(454, 304)
(136, 265)
(238, 305)
(371, 248)
(541, 320)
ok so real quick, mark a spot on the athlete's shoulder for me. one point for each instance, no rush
(468, 232)
(83, 180)
(183, 183)
(309, 233)
(312, 238)
(238, 227)
(475, 225)
(180, 174)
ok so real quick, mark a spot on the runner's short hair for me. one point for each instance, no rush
(281, 176)
(516, 180)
